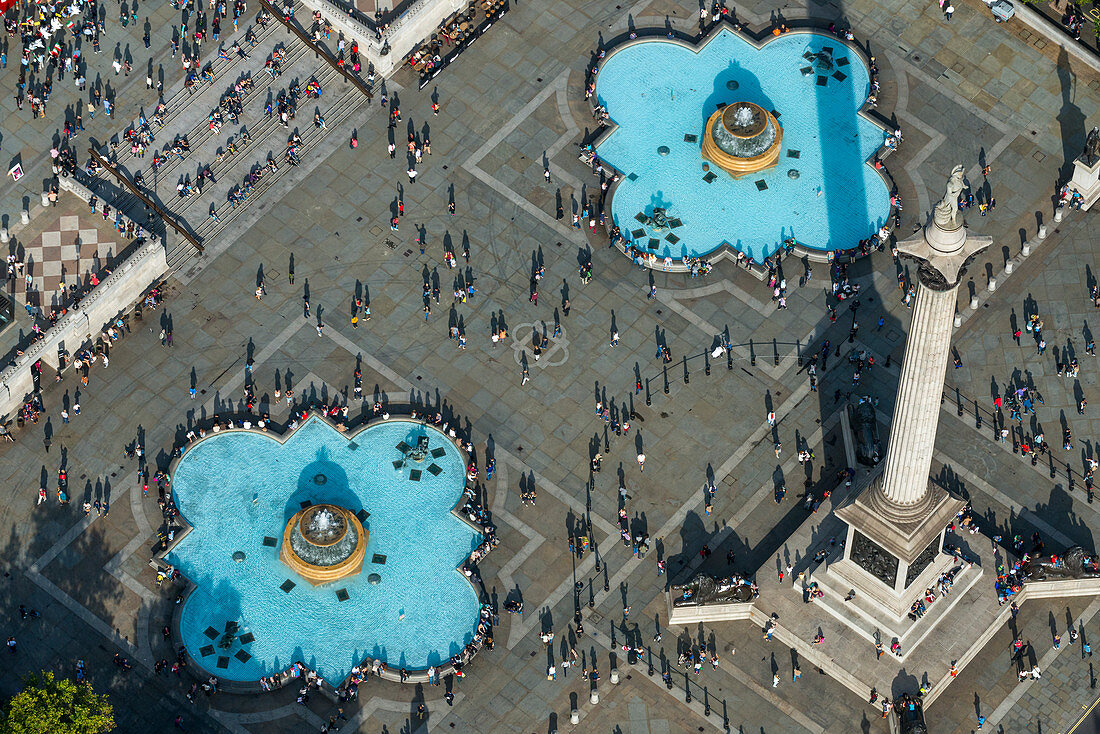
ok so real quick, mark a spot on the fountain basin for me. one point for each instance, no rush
(241, 490)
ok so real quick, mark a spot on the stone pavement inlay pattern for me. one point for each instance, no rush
(70, 251)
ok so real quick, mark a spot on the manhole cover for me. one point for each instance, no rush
(663, 150)
(374, 579)
(320, 479)
(793, 173)
(239, 556)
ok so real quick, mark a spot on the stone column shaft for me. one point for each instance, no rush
(917, 408)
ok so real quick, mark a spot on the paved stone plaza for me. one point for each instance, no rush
(968, 91)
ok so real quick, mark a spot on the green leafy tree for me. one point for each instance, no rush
(51, 705)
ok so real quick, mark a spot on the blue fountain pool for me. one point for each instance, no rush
(239, 488)
(660, 92)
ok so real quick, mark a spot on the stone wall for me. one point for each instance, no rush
(81, 324)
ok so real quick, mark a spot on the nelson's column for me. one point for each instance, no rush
(896, 524)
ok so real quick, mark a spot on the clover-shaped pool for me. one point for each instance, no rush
(410, 606)
(823, 193)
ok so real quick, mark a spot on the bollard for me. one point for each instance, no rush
(25, 216)
(45, 198)
(1025, 249)
(992, 285)
(574, 717)
(1058, 214)
(614, 676)
(595, 697)
(1009, 267)
(973, 303)
(4, 236)
(958, 319)
(1042, 233)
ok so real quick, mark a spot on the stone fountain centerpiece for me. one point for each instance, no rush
(742, 138)
(323, 543)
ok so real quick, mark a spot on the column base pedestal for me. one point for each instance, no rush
(893, 553)
(1086, 179)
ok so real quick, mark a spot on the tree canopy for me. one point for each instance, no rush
(51, 705)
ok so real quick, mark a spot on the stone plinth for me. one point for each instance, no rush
(1086, 179)
(708, 612)
(891, 598)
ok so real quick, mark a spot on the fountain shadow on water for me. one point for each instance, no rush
(657, 201)
(415, 433)
(322, 481)
(735, 83)
(217, 607)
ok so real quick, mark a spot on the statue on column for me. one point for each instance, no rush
(1092, 148)
(946, 213)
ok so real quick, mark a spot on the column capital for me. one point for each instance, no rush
(943, 254)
